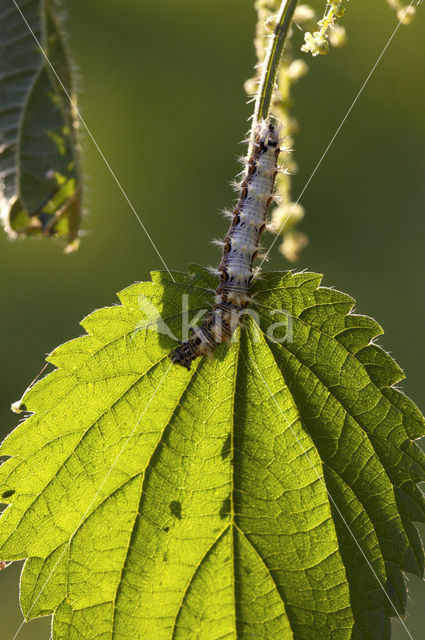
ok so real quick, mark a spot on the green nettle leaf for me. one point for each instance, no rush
(268, 493)
(40, 183)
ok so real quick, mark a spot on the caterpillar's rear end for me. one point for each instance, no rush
(240, 248)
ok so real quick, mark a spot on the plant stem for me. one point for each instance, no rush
(271, 62)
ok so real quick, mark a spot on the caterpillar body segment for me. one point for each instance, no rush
(240, 248)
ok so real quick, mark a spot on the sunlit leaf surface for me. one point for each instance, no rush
(268, 493)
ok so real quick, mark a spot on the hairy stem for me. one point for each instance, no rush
(271, 63)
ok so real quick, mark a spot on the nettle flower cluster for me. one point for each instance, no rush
(288, 214)
(314, 35)
(329, 32)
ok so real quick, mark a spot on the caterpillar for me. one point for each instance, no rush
(240, 248)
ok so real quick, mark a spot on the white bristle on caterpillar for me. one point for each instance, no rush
(240, 246)
(213, 271)
(217, 243)
(227, 213)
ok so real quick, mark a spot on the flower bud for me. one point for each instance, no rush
(304, 13)
(250, 86)
(287, 215)
(406, 14)
(338, 36)
(292, 245)
(297, 69)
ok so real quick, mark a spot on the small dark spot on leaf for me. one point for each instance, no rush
(225, 508)
(7, 494)
(165, 557)
(166, 529)
(225, 450)
(248, 571)
(176, 509)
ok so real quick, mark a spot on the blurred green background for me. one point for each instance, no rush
(161, 87)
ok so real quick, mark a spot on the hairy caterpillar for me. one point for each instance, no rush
(240, 248)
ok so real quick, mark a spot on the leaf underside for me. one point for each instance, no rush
(268, 493)
(40, 182)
